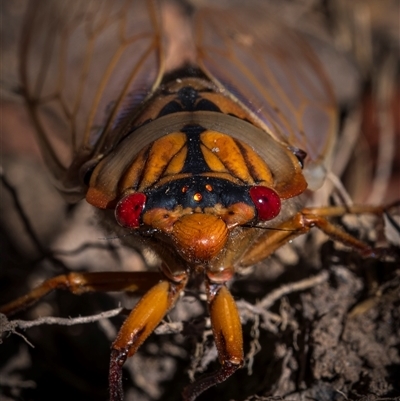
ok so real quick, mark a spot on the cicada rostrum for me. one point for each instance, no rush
(197, 131)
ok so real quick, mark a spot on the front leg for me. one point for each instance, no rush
(140, 323)
(227, 330)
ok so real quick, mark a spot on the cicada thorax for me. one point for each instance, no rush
(194, 171)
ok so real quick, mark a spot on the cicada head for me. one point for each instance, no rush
(197, 214)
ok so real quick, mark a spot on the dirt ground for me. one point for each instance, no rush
(319, 321)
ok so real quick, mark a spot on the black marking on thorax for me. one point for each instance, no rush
(188, 99)
(194, 163)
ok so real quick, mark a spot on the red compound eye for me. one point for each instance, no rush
(266, 201)
(129, 209)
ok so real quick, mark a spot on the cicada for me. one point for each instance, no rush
(198, 132)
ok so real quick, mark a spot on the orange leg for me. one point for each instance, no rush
(78, 283)
(332, 211)
(227, 331)
(302, 222)
(140, 323)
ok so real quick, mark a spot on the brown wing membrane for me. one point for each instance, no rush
(272, 73)
(84, 65)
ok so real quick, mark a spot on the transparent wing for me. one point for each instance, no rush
(83, 66)
(272, 72)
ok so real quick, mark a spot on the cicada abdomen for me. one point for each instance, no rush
(196, 132)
